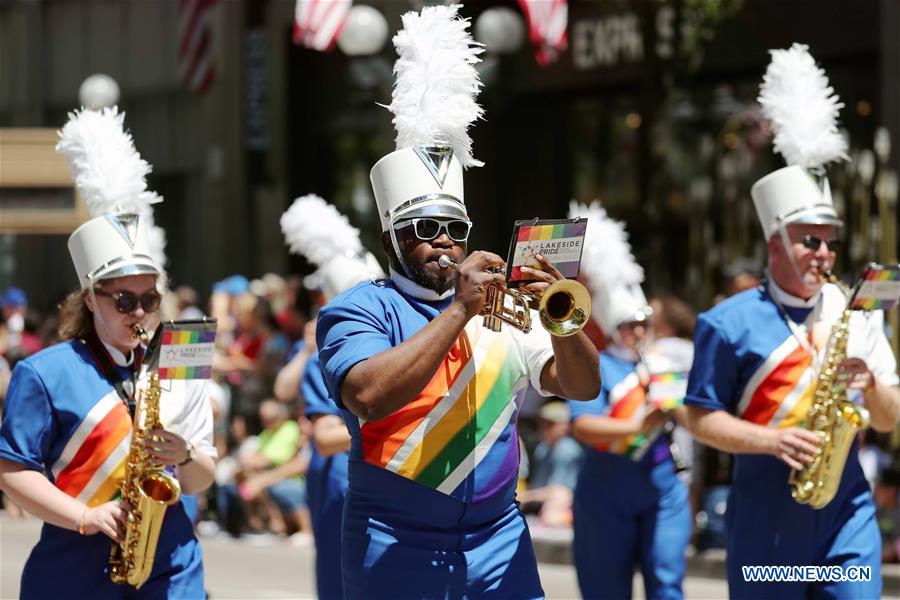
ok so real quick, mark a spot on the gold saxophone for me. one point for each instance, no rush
(836, 419)
(147, 488)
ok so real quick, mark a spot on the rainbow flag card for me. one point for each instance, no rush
(667, 390)
(560, 241)
(878, 289)
(186, 349)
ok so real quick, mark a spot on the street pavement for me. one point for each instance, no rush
(270, 568)
(264, 567)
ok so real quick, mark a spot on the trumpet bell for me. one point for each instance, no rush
(565, 308)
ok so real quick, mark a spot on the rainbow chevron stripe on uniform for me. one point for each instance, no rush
(92, 465)
(463, 416)
(879, 288)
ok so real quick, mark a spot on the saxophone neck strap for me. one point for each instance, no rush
(803, 338)
(124, 386)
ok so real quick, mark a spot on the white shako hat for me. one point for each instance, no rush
(433, 103)
(112, 245)
(610, 270)
(422, 181)
(796, 98)
(121, 238)
(315, 229)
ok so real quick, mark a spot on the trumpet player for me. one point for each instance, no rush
(66, 426)
(758, 356)
(429, 395)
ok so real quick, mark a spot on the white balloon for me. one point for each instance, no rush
(364, 32)
(98, 91)
(501, 30)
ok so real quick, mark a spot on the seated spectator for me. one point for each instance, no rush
(229, 506)
(554, 471)
(285, 485)
(268, 470)
(887, 507)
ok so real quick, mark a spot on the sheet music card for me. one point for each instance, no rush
(559, 241)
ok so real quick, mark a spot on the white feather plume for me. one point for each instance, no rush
(803, 108)
(606, 260)
(109, 173)
(315, 229)
(157, 237)
(434, 95)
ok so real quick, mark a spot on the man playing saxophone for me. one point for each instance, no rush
(758, 357)
(67, 425)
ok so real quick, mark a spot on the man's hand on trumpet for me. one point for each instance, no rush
(479, 271)
(543, 278)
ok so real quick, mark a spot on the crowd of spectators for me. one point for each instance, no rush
(266, 333)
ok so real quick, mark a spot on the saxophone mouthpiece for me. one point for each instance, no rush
(138, 332)
(827, 275)
(445, 261)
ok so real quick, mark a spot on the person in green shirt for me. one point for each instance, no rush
(276, 470)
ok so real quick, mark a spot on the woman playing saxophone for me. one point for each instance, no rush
(67, 428)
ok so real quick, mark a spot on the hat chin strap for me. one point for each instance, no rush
(98, 314)
(396, 246)
(786, 242)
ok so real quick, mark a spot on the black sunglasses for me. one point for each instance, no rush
(811, 242)
(428, 229)
(127, 302)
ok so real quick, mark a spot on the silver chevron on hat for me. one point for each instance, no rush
(126, 224)
(437, 160)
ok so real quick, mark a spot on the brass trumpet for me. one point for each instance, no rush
(564, 309)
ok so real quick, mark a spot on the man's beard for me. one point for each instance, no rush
(432, 282)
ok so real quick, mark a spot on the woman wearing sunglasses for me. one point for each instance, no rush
(67, 423)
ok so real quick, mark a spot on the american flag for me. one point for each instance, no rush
(318, 23)
(195, 51)
(548, 22)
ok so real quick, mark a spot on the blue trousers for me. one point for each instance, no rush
(65, 564)
(326, 486)
(405, 540)
(627, 516)
(766, 527)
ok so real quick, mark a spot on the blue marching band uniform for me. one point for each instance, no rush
(629, 508)
(326, 487)
(63, 418)
(749, 364)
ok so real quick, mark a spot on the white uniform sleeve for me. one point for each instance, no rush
(537, 351)
(189, 413)
(869, 342)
